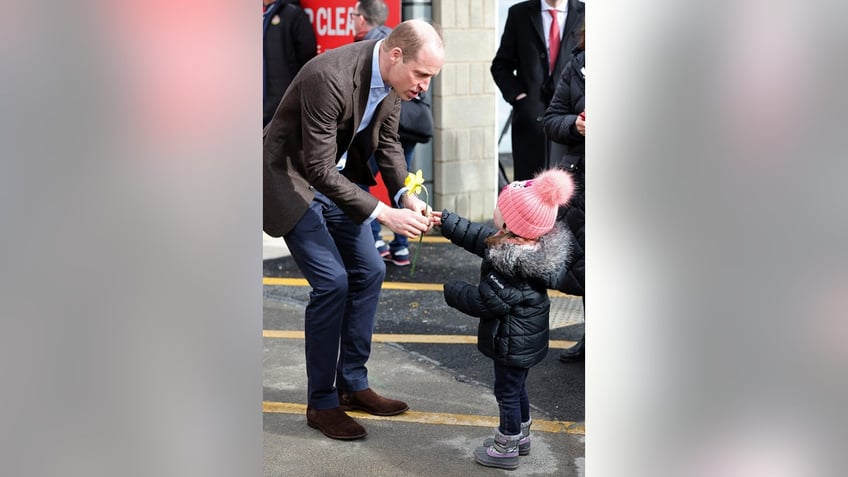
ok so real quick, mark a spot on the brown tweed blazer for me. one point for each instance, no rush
(313, 125)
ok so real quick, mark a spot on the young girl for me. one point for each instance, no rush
(522, 258)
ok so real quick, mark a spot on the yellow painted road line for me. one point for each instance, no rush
(413, 286)
(432, 239)
(291, 282)
(402, 338)
(301, 282)
(436, 418)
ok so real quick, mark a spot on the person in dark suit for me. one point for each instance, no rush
(341, 107)
(526, 73)
(288, 42)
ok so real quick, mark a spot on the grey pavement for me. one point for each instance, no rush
(452, 408)
(394, 447)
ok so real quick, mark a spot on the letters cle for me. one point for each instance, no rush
(331, 21)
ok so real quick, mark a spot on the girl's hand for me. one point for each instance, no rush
(435, 218)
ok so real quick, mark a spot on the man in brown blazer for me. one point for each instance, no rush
(341, 107)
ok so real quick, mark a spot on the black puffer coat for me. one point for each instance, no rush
(569, 150)
(568, 102)
(512, 298)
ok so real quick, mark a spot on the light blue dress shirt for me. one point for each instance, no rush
(379, 90)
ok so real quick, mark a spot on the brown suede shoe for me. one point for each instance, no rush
(334, 423)
(370, 402)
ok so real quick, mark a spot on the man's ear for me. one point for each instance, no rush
(396, 54)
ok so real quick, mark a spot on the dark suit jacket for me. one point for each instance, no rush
(521, 66)
(314, 124)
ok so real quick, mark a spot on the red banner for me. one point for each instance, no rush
(332, 21)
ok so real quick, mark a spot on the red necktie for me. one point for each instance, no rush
(553, 39)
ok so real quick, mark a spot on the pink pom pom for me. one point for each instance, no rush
(554, 187)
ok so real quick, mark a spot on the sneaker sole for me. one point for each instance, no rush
(396, 262)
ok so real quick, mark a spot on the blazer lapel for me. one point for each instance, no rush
(535, 15)
(362, 87)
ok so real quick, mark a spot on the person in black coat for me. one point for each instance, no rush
(565, 125)
(523, 73)
(522, 258)
(565, 119)
(288, 42)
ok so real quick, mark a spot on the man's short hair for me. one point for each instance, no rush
(409, 36)
(375, 11)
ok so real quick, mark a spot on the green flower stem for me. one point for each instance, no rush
(421, 236)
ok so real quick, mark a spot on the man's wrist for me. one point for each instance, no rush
(398, 199)
(410, 201)
(375, 214)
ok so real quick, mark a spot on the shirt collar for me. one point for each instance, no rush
(376, 77)
(546, 7)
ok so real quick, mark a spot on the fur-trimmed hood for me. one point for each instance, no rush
(537, 261)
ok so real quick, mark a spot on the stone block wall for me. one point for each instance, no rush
(464, 109)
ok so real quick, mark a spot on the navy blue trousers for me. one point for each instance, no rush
(343, 303)
(513, 401)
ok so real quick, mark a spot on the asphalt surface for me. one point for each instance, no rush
(447, 385)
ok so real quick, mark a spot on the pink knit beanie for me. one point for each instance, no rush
(529, 208)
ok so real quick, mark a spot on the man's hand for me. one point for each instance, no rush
(413, 220)
(412, 202)
(405, 221)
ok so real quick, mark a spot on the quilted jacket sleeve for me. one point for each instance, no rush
(468, 235)
(560, 117)
(492, 298)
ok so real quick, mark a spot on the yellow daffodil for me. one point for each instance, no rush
(415, 184)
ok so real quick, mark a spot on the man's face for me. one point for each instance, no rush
(411, 78)
(359, 23)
